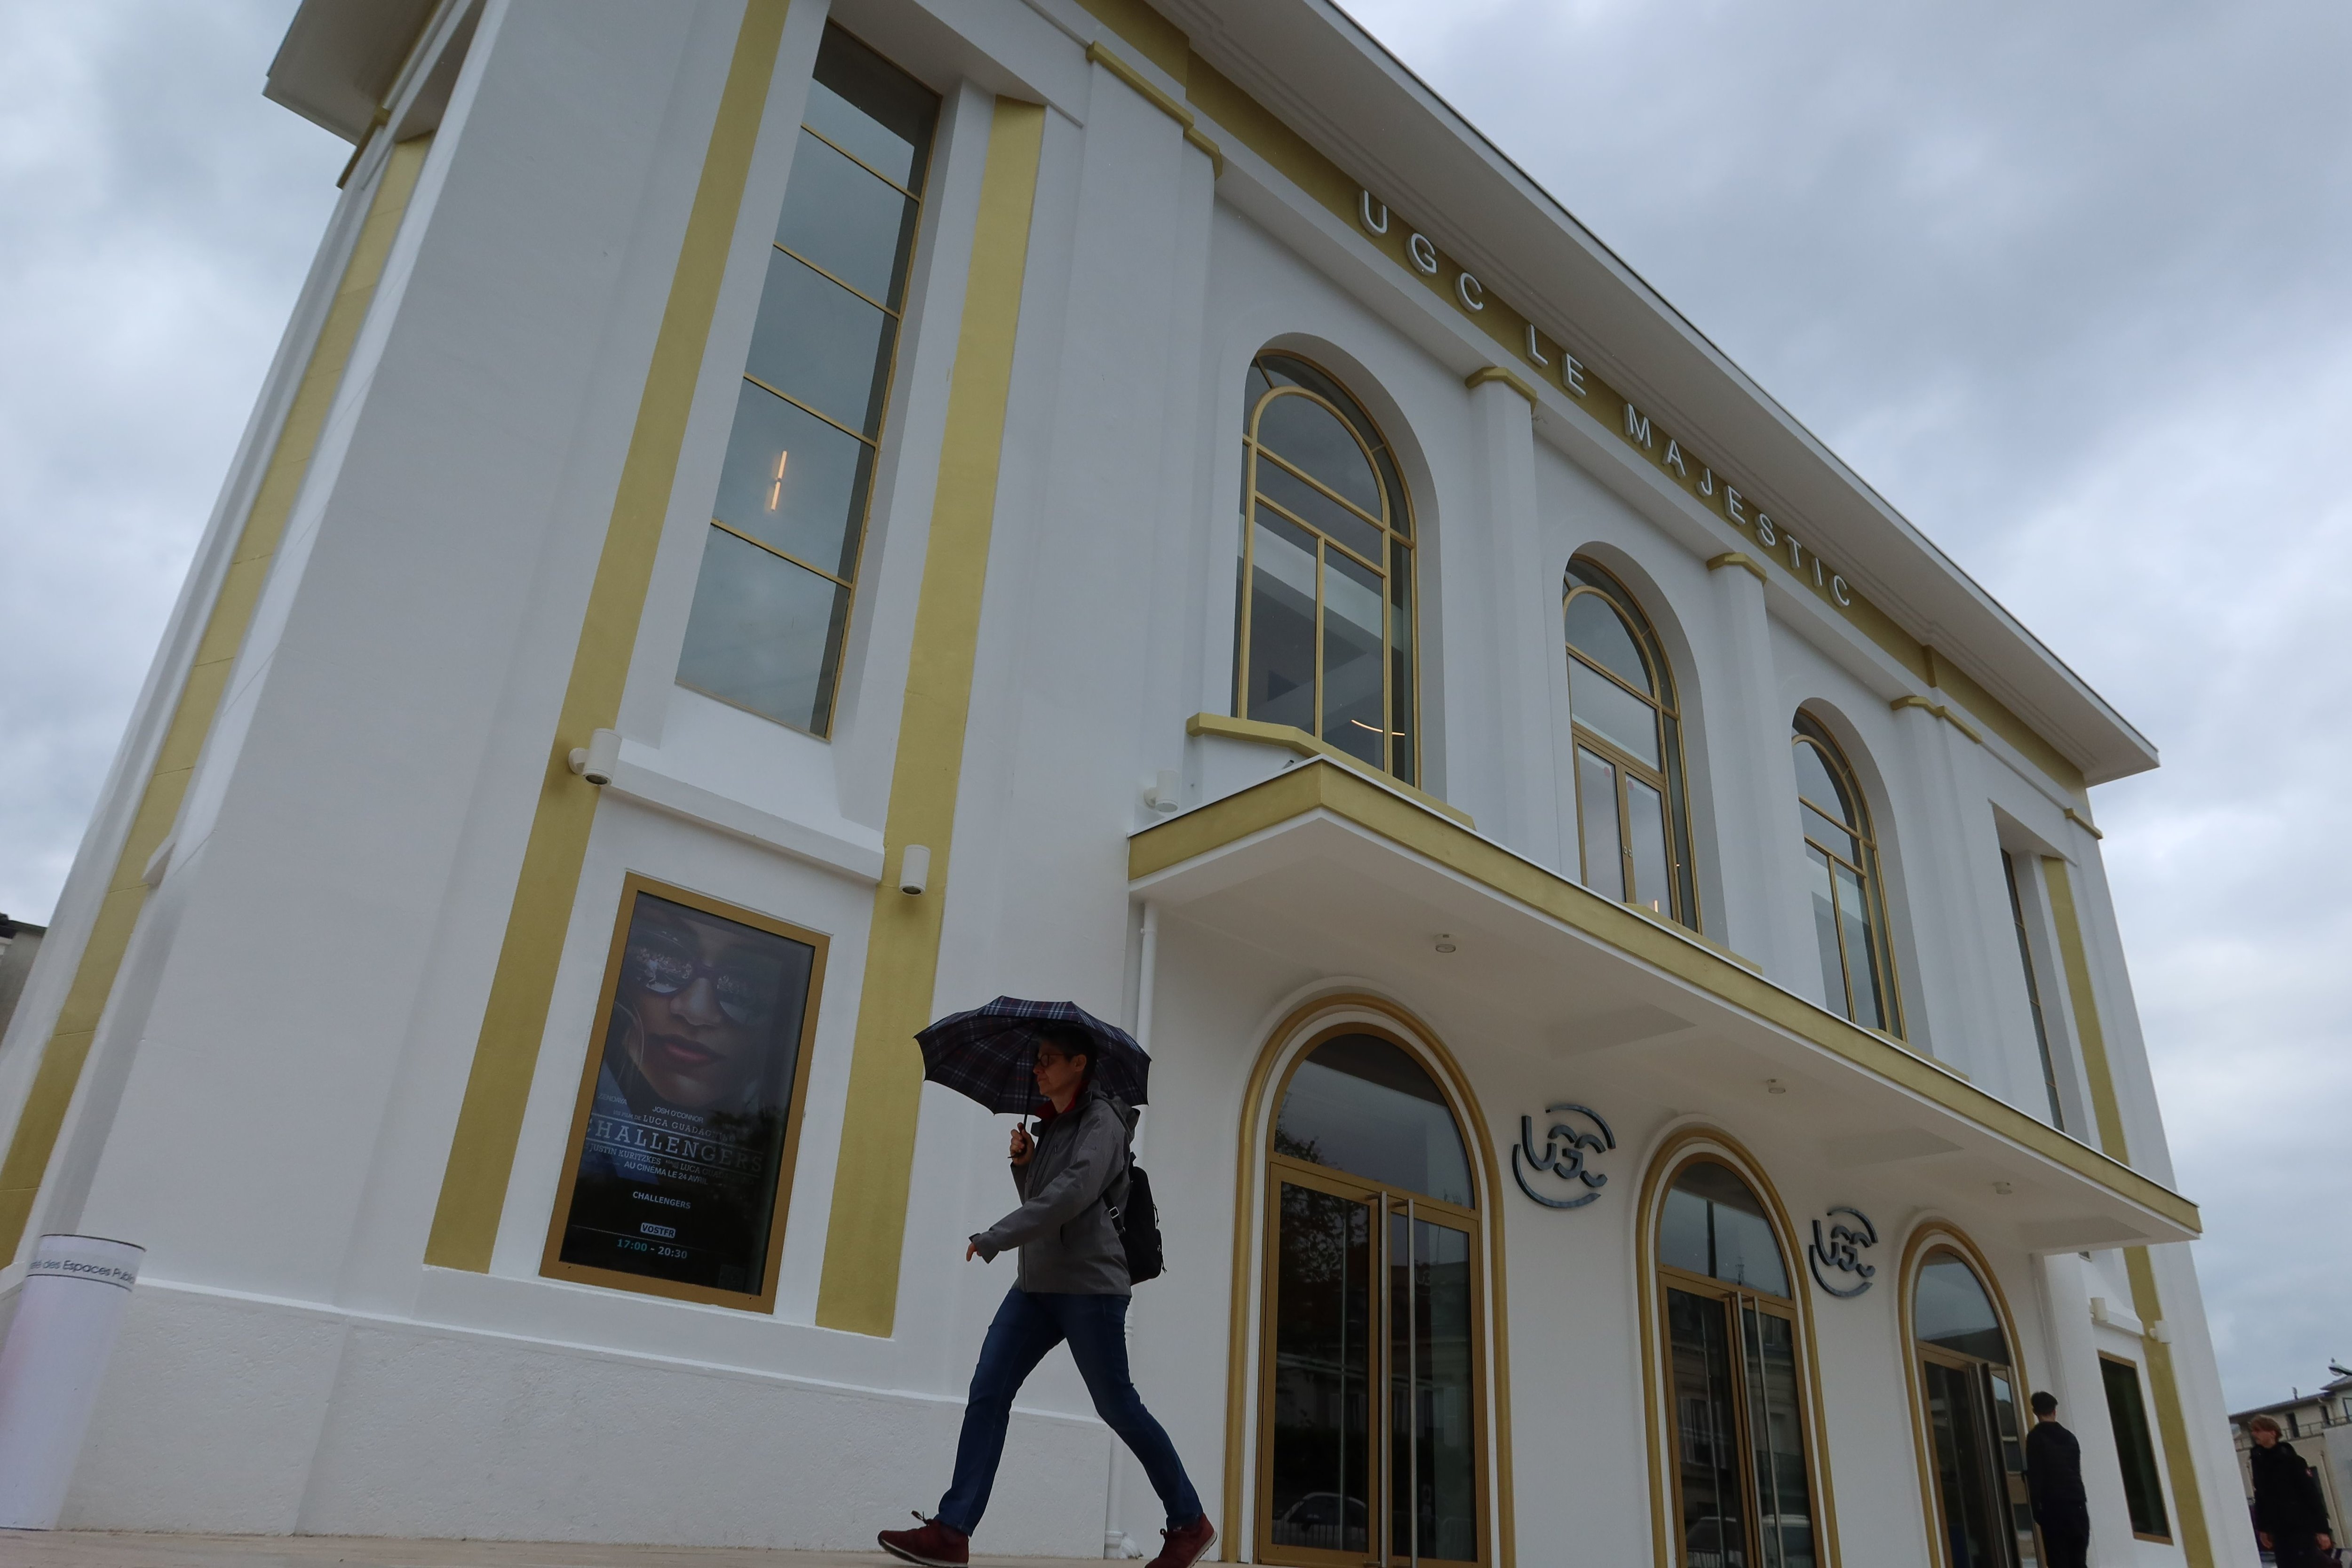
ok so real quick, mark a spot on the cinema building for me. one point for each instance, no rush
(774, 521)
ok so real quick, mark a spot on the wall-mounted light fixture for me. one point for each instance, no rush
(1159, 790)
(914, 868)
(595, 761)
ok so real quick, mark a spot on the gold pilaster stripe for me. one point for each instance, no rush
(2172, 1420)
(489, 1120)
(1940, 711)
(2076, 960)
(2147, 1303)
(1734, 558)
(37, 1125)
(859, 1289)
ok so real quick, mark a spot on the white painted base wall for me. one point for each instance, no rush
(230, 1414)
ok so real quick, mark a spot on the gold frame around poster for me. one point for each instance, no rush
(550, 1263)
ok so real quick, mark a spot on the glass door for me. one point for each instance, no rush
(1348, 1478)
(1743, 1496)
(1979, 1457)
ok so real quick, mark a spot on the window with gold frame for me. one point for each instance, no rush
(780, 565)
(1849, 895)
(1324, 625)
(677, 1174)
(1372, 1400)
(1633, 806)
(1743, 1491)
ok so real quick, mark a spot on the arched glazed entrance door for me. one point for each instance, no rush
(1743, 1493)
(1372, 1403)
(1975, 1421)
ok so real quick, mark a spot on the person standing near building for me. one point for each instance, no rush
(1073, 1287)
(2290, 1514)
(2054, 1479)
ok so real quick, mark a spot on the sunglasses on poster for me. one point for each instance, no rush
(743, 984)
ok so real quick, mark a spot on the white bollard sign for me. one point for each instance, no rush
(66, 1315)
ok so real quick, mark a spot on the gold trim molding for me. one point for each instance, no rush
(1939, 710)
(1681, 1149)
(1386, 813)
(1512, 379)
(1927, 1237)
(1298, 1029)
(1097, 55)
(1734, 558)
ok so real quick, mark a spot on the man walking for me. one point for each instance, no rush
(2053, 1480)
(1072, 1288)
(2290, 1512)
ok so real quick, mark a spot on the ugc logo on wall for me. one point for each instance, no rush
(1563, 1158)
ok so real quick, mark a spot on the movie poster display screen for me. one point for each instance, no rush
(676, 1177)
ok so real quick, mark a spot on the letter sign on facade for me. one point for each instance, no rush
(1564, 1150)
(1840, 1253)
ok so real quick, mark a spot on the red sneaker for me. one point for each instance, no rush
(1186, 1545)
(933, 1546)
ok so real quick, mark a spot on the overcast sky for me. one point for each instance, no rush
(2070, 285)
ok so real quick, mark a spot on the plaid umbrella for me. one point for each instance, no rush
(988, 1053)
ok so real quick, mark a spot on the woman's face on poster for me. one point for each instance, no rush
(704, 991)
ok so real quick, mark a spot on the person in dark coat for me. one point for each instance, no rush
(2053, 1480)
(1072, 1288)
(2289, 1510)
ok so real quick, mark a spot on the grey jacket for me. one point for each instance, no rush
(1068, 1245)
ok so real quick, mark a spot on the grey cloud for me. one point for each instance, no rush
(158, 218)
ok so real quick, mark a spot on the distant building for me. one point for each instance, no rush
(19, 940)
(2319, 1425)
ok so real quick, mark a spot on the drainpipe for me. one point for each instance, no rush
(1116, 1542)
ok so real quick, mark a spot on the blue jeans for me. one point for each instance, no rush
(1026, 1327)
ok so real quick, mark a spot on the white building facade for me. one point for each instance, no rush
(774, 521)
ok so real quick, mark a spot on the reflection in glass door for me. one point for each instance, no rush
(1743, 1496)
(1976, 1433)
(1433, 1470)
(1394, 1480)
(1370, 1407)
(1740, 1440)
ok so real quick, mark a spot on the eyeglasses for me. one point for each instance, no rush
(743, 984)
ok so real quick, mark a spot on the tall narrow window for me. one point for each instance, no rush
(1743, 1493)
(1975, 1427)
(780, 568)
(2033, 992)
(1373, 1391)
(1632, 825)
(1325, 621)
(1849, 909)
(2136, 1448)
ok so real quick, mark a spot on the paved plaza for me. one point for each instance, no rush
(112, 1549)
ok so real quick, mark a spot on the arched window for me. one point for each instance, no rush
(1976, 1430)
(1849, 908)
(1373, 1397)
(1742, 1488)
(1631, 823)
(1324, 632)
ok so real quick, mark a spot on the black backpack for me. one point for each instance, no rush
(1137, 1223)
